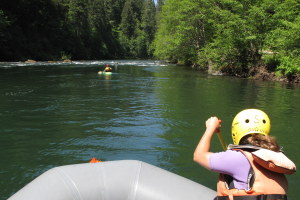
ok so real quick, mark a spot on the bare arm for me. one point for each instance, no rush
(202, 153)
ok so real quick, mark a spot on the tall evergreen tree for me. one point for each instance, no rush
(4, 34)
(114, 11)
(130, 27)
(159, 6)
(77, 14)
(104, 42)
(131, 17)
(148, 19)
(34, 30)
(99, 27)
(148, 26)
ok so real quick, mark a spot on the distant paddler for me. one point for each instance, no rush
(107, 70)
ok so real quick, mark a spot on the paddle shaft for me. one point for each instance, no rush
(221, 139)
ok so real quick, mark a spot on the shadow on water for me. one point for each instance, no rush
(65, 113)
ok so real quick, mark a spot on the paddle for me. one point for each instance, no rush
(221, 139)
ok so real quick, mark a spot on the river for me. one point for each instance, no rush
(55, 114)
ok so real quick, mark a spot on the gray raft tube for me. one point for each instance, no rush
(112, 180)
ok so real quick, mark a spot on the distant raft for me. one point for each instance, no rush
(112, 180)
(105, 73)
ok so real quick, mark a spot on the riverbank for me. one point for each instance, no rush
(257, 73)
(262, 73)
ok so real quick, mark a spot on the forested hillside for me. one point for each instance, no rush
(233, 36)
(76, 29)
(238, 37)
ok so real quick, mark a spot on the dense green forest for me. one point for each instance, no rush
(238, 37)
(233, 36)
(77, 29)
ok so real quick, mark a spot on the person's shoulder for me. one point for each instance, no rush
(228, 154)
(227, 161)
(234, 152)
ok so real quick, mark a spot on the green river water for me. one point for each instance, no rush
(65, 113)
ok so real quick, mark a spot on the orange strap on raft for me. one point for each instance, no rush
(94, 160)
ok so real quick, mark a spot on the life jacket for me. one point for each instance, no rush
(263, 182)
(107, 69)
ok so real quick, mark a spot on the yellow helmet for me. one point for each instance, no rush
(249, 121)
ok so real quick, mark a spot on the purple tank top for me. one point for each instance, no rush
(233, 163)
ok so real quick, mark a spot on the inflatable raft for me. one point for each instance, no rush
(113, 180)
(105, 73)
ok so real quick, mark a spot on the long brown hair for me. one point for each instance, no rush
(264, 141)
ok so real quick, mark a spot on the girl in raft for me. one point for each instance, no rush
(251, 169)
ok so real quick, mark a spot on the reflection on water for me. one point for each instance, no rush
(64, 113)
